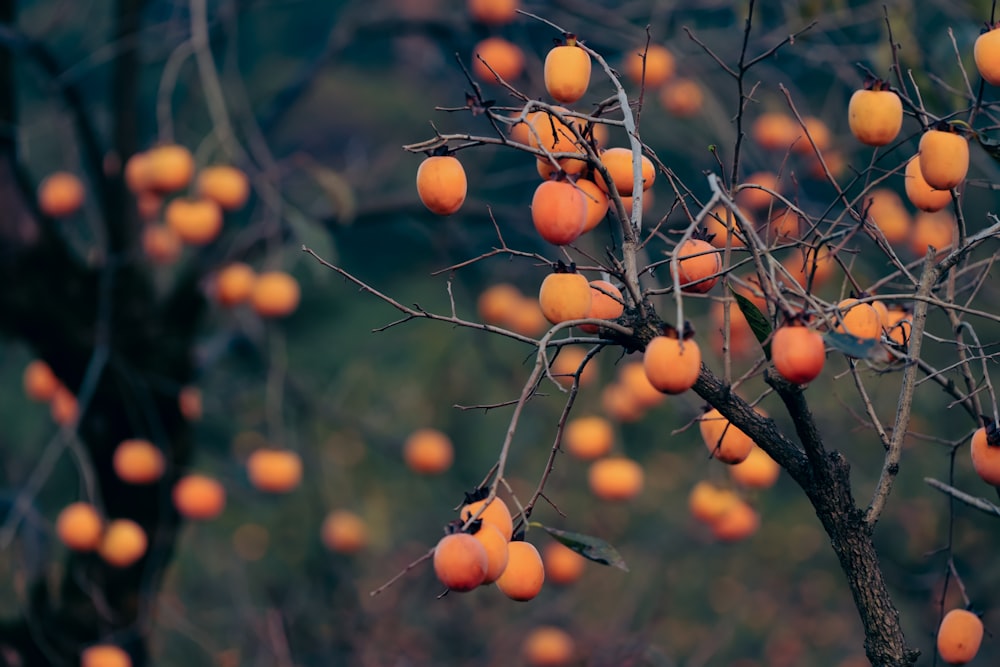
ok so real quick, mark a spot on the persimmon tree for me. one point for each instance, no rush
(725, 224)
(777, 259)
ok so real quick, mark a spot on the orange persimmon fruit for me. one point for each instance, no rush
(79, 526)
(558, 211)
(567, 71)
(724, 440)
(199, 497)
(441, 184)
(672, 365)
(524, 575)
(606, 303)
(60, 194)
(565, 296)
(226, 185)
(944, 158)
(460, 562)
(615, 478)
(698, 265)
(138, 461)
(875, 115)
(959, 636)
(589, 437)
(798, 353)
(428, 451)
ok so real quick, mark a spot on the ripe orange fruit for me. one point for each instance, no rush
(755, 198)
(546, 131)
(567, 72)
(441, 184)
(344, 532)
(875, 115)
(638, 389)
(682, 98)
(558, 211)
(659, 66)
(606, 303)
(527, 318)
(227, 186)
(524, 575)
(234, 284)
(496, 513)
(563, 566)
(986, 456)
(986, 53)
(588, 437)
(775, 131)
(858, 319)
(898, 326)
(709, 503)
(818, 130)
(79, 527)
(618, 403)
(959, 636)
(497, 303)
(805, 265)
(944, 158)
(124, 543)
(495, 545)
(618, 161)
(672, 366)
(565, 296)
(889, 214)
(167, 168)
(757, 471)
(506, 59)
(548, 646)
(274, 470)
(199, 497)
(718, 223)
(428, 451)
(60, 194)
(569, 165)
(161, 244)
(64, 408)
(615, 478)
(798, 353)
(919, 191)
(195, 221)
(138, 461)
(136, 173)
(937, 229)
(723, 439)
(493, 12)
(40, 383)
(104, 655)
(698, 265)
(783, 225)
(739, 523)
(567, 364)
(597, 203)
(275, 294)
(460, 562)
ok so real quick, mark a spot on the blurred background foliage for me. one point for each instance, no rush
(254, 586)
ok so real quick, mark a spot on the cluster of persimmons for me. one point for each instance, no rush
(583, 179)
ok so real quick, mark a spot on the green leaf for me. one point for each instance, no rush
(757, 320)
(588, 546)
(859, 348)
